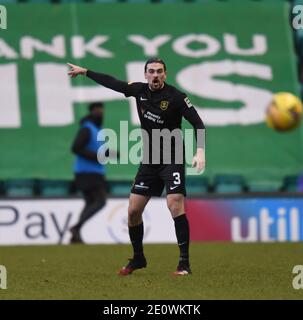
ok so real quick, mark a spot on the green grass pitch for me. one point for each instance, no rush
(220, 271)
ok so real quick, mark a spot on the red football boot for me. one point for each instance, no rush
(133, 265)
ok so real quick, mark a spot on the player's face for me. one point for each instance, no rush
(155, 75)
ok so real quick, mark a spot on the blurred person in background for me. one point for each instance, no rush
(89, 173)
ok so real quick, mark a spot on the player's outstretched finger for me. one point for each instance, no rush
(70, 65)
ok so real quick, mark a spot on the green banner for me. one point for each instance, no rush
(229, 58)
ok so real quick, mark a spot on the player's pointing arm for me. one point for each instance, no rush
(103, 79)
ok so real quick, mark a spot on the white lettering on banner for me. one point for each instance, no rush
(6, 51)
(262, 227)
(259, 45)
(180, 45)
(79, 47)
(29, 45)
(9, 107)
(150, 46)
(57, 109)
(199, 79)
(49, 221)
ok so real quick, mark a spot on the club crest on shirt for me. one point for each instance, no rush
(164, 105)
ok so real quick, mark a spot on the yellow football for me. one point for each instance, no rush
(284, 113)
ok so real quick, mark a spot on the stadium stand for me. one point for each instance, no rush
(229, 184)
(20, 188)
(1, 189)
(290, 184)
(120, 188)
(196, 187)
(54, 188)
(263, 187)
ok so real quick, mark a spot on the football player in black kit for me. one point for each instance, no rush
(160, 106)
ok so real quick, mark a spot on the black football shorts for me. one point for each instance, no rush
(151, 179)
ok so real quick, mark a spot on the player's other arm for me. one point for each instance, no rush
(191, 115)
(101, 78)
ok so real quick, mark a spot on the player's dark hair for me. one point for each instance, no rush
(154, 60)
(95, 105)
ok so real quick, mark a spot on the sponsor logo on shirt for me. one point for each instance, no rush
(188, 103)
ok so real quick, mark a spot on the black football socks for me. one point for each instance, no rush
(182, 233)
(136, 238)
